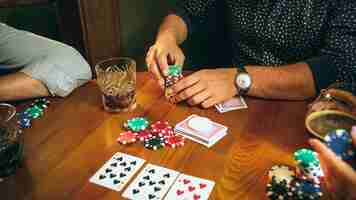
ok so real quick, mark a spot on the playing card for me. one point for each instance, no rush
(192, 129)
(189, 187)
(117, 171)
(235, 103)
(153, 182)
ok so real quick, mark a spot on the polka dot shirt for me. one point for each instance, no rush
(321, 33)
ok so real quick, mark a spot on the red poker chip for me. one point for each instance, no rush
(143, 135)
(127, 137)
(174, 141)
(161, 128)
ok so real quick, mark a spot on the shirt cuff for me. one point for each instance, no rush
(324, 71)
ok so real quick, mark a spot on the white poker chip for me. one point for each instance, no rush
(201, 124)
(282, 173)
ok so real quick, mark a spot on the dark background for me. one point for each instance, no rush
(138, 24)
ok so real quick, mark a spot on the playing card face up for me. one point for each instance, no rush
(201, 130)
(189, 187)
(117, 171)
(235, 103)
(153, 182)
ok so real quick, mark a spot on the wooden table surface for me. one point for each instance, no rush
(76, 136)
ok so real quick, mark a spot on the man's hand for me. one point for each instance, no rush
(205, 87)
(165, 51)
(340, 177)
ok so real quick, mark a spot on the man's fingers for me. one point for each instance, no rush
(162, 61)
(185, 83)
(329, 156)
(190, 92)
(208, 102)
(199, 98)
(180, 60)
(353, 135)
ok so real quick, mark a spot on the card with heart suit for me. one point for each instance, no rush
(153, 182)
(190, 187)
(235, 103)
(117, 171)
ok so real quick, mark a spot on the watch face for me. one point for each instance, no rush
(243, 80)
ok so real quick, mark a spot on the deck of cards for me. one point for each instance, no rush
(201, 130)
(152, 183)
(236, 103)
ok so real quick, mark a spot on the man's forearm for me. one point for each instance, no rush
(173, 27)
(20, 86)
(293, 82)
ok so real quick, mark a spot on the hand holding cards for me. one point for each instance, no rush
(201, 130)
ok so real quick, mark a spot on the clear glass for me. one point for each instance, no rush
(116, 78)
(11, 141)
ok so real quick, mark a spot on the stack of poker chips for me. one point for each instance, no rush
(154, 136)
(35, 111)
(285, 182)
(172, 75)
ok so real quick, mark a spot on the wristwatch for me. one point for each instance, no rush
(243, 81)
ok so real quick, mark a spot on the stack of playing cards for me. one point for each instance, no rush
(235, 103)
(152, 183)
(201, 130)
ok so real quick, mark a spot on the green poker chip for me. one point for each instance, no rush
(154, 143)
(173, 70)
(306, 158)
(137, 124)
(34, 112)
(41, 103)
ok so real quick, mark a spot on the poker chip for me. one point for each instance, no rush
(174, 141)
(143, 135)
(278, 190)
(306, 158)
(173, 70)
(280, 173)
(171, 80)
(305, 190)
(314, 174)
(154, 143)
(162, 129)
(41, 103)
(24, 123)
(34, 112)
(127, 137)
(340, 142)
(137, 124)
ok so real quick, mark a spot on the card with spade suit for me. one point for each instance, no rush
(117, 171)
(189, 187)
(152, 183)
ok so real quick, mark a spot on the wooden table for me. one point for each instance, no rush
(75, 137)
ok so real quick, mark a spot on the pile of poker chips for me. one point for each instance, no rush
(35, 111)
(303, 182)
(172, 75)
(154, 136)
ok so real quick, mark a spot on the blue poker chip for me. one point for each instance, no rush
(306, 190)
(24, 123)
(340, 142)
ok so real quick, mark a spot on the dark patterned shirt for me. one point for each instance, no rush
(321, 33)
